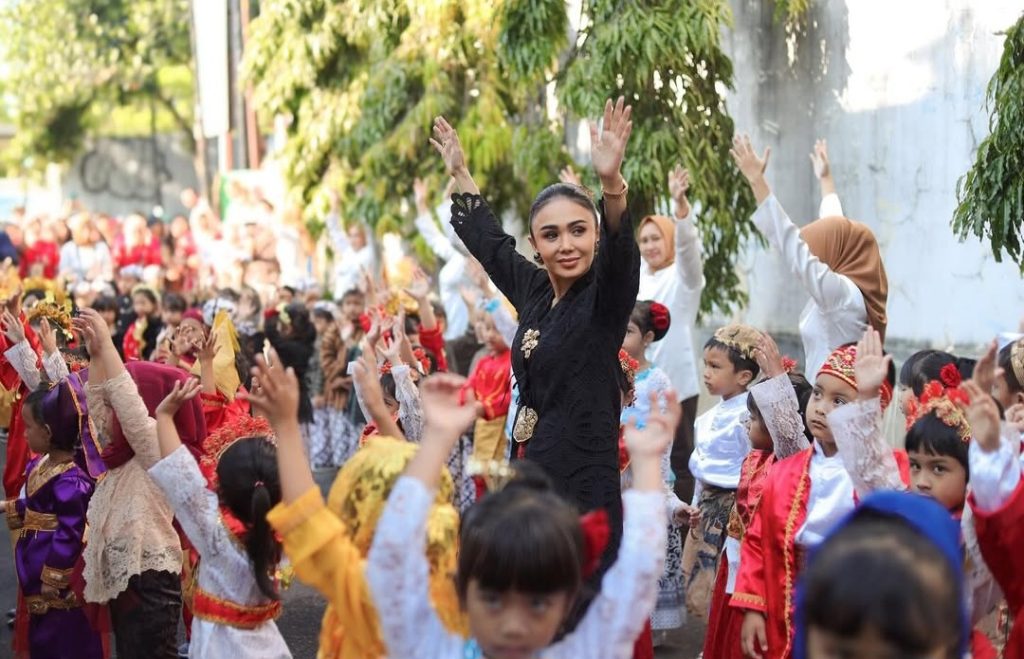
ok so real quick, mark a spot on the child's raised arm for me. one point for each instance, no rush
(275, 395)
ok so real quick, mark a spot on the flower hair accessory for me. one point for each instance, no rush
(660, 317)
(788, 364)
(945, 400)
(225, 437)
(629, 367)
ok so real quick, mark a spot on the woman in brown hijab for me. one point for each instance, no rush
(835, 259)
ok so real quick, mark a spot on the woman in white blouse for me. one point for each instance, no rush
(672, 274)
(835, 259)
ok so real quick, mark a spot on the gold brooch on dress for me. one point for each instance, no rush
(530, 340)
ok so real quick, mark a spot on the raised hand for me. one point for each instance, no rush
(983, 416)
(446, 142)
(391, 350)
(768, 356)
(94, 331)
(13, 329)
(181, 392)
(449, 407)
(749, 163)
(47, 337)
(647, 445)
(819, 159)
(985, 369)
(569, 175)
(608, 142)
(278, 396)
(678, 185)
(419, 288)
(208, 348)
(871, 366)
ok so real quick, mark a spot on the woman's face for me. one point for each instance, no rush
(564, 232)
(652, 246)
(142, 305)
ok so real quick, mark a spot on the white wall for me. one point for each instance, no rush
(897, 87)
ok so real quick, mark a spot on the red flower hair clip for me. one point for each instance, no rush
(950, 376)
(660, 317)
(788, 364)
(945, 401)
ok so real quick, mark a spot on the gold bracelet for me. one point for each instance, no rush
(616, 195)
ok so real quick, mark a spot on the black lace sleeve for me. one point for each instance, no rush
(483, 236)
(618, 271)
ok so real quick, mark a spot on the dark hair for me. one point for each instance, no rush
(803, 390)
(290, 289)
(323, 314)
(966, 367)
(353, 292)
(1005, 360)
(926, 368)
(901, 586)
(907, 370)
(641, 317)
(930, 435)
(147, 293)
(523, 537)
(570, 191)
(232, 294)
(34, 404)
(388, 386)
(412, 324)
(250, 486)
(105, 303)
(174, 302)
(738, 361)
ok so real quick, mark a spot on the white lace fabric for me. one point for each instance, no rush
(868, 458)
(129, 520)
(780, 410)
(410, 413)
(224, 568)
(397, 570)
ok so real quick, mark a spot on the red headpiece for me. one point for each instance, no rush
(224, 437)
(629, 367)
(660, 317)
(840, 365)
(944, 397)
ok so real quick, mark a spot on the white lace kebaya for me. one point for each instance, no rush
(397, 570)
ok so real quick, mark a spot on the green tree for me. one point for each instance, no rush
(81, 67)
(991, 194)
(362, 80)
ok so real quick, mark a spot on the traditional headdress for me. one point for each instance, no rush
(629, 367)
(944, 397)
(58, 314)
(65, 413)
(51, 288)
(741, 338)
(1017, 360)
(10, 283)
(840, 365)
(661, 320)
(357, 498)
(219, 441)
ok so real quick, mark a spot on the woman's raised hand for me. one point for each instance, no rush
(750, 164)
(446, 142)
(277, 397)
(871, 367)
(94, 331)
(819, 159)
(678, 185)
(183, 390)
(608, 141)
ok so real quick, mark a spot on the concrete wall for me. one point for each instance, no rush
(122, 175)
(897, 88)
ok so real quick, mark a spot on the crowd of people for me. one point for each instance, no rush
(522, 470)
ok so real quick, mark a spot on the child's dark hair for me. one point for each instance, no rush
(387, 386)
(174, 302)
(902, 587)
(645, 321)
(803, 390)
(966, 367)
(736, 358)
(923, 367)
(570, 191)
(412, 324)
(523, 537)
(1005, 359)
(353, 293)
(931, 435)
(147, 293)
(61, 441)
(105, 303)
(323, 314)
(249, 486)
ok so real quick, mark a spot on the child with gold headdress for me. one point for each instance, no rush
(720, 445)
(328, 544)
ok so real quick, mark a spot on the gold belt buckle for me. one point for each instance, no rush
(526, 421)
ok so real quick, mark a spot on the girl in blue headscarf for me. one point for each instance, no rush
(887, 582)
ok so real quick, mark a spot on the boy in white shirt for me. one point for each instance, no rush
(720, 445)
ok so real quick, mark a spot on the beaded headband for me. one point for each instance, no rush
(840, 365)
(1017, 360)
(944, 398)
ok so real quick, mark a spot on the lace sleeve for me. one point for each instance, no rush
(410, 413)
(866, 456)
(397, 574)
(628, 591)
(780, 410)
(55, 366)
(484, 238)
(99, 411)
(139, 428)
(195, 507)
(25, 362)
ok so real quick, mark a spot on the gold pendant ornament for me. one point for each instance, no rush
(530, 340)
(526, 421)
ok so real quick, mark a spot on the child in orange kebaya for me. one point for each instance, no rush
(777, 430)
(804, 496)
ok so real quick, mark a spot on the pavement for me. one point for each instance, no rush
(303, 609)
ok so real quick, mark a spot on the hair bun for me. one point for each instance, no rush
(661, 320)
